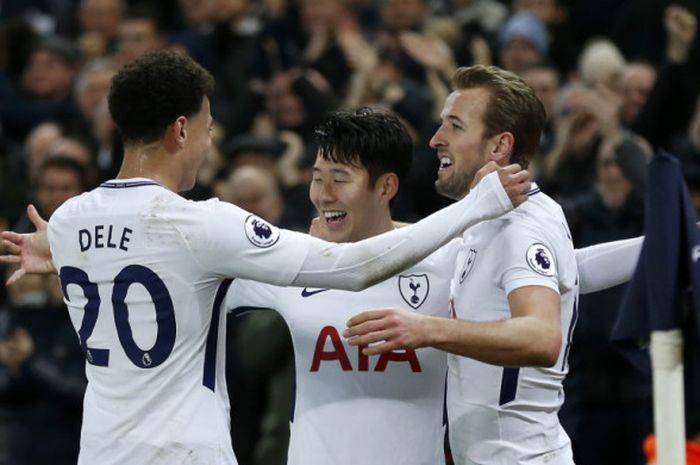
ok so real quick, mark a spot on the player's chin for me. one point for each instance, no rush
(338, 232)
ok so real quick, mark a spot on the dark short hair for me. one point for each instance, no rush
(61, 48)
(374, 140)
(512, 106)
(66, 164)
(151, 92)
(144, 11)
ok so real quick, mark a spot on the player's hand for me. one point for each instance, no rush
(387, 330)
(318, 229)
(515, 180)
(29, 251)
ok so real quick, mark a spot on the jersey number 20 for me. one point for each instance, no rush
(165, 315)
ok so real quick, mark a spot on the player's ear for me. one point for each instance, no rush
(177, 131)
(388, 185)
(501, 146)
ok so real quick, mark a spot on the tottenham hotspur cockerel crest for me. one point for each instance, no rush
(414, 289)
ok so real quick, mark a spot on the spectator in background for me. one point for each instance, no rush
(588, 114)
(37, 144)
(522, 42)
(91, 89)
(43, 376)
(670, 104)
(601, 63)
(607, 412)
(283, 158)
(41, 358)
(43, 91)
(99, 25)
(295, 101)
(92, 86)
(58, 179)
(563, 49)
(260, 364)
(138, 32)
(637, 80)
(233, 49)
(544, 78)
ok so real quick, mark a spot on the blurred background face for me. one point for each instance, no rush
(48, 76)
(315, 13)
(400, 15)
(197, 12)
(101, 16)
(56, 185)
(348, 208)
(636, 83)
(255, 190)
(285, 107)
(136, 37)
(518, 54)
(545, 83)
(613, 186)
(93, 90)
(37, 145)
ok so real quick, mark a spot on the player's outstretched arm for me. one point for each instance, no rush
(532, 337)
(356, 266)
(605, 265)
(29, 251)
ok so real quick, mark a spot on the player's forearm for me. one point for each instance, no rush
(606, 265)
(356, 266)
(522, 341)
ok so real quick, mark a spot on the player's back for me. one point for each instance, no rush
(145, 310)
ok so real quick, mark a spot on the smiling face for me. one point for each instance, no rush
(348, 207)
(462, 147)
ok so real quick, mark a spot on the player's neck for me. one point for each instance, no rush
(384, 224)
(148, 161)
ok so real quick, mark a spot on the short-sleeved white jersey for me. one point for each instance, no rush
(143, 276)
(351, 408)
(503, 415)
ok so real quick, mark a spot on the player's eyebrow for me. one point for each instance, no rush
(342, 171)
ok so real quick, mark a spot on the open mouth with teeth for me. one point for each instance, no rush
(445, 163)
(334, 217)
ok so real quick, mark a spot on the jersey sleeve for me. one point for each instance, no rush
(609, 264)
(528, 259)
(231, 242)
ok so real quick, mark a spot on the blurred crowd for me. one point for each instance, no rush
(619, 79)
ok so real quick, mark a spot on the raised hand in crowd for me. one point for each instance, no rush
(681, 27)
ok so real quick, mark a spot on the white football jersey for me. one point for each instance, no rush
(142, 271)
(351, 408)
(503, 415)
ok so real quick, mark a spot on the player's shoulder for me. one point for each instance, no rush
(69, 209)
(540, 210)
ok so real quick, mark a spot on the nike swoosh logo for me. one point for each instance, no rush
(307, 293)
